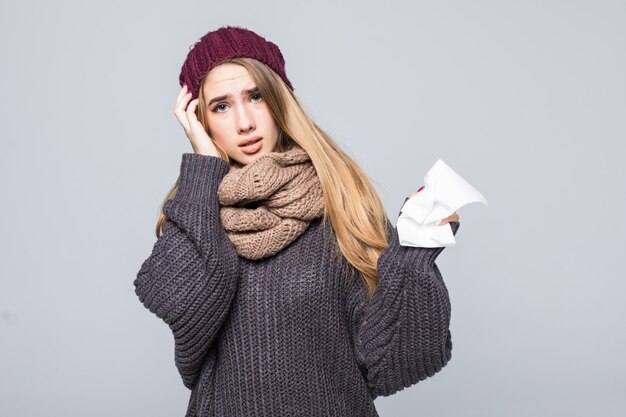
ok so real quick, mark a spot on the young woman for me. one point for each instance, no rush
(275, 266)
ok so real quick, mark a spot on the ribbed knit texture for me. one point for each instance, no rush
(289, 335)
(223, 44)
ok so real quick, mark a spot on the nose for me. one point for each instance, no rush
(245, 121)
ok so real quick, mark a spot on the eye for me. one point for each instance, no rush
(256, 97)
(219, 108)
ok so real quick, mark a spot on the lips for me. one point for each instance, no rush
(251, 146)
(250, 141)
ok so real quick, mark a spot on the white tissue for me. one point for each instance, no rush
(444, 192)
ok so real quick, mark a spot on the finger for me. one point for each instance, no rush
(179, 112)
(444, 221)
(191, 110)
(452, 218)
(192, 119)
(183, 90)
(183, 100)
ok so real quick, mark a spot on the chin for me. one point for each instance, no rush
(248, 159)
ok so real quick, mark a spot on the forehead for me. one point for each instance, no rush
(227, 76)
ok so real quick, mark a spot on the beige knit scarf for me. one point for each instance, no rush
(268, 203)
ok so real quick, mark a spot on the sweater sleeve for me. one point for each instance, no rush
(402, 336)
(190, 278)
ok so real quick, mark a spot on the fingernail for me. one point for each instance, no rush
(421, 188)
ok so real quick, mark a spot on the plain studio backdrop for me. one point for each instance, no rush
(524, 99)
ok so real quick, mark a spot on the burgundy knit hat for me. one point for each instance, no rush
(222, 44)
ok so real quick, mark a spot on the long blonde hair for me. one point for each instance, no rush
(351, 205)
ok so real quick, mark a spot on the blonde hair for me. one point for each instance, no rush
(351, 205)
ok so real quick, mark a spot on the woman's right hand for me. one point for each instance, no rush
(185, 112)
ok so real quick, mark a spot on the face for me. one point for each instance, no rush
(238, 115)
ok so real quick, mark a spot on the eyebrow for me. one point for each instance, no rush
(254, 89)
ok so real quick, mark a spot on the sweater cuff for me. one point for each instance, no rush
(200, 177)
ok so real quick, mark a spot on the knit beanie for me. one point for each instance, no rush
(222, 44)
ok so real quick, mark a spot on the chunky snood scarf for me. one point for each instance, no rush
(268, 203)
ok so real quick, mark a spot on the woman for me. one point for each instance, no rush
(275, 266)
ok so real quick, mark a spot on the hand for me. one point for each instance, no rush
(185, 112)
(454, 217)
(451, 218)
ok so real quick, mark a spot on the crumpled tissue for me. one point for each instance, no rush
(443, 193)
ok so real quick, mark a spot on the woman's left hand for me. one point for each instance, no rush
(451, 218)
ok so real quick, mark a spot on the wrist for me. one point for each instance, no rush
(204, 151)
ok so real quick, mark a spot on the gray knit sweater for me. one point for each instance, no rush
(289, 335)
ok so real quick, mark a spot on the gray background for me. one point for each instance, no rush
(526, 100)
